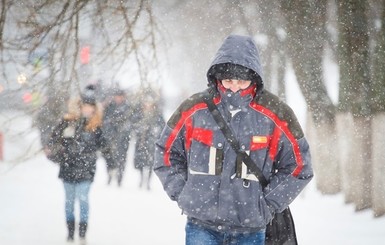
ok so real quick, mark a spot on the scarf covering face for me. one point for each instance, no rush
(239, 99)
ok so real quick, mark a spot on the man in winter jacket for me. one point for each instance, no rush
(198, 167)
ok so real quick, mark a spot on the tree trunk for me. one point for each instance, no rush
(274, 53)
(345, 137)
(305, 43)
(328, 181)
(378, 109)
(354, 93)
(361, 163)
(378, 180)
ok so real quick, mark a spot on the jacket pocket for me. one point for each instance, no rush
(247, 207)
(199, 197)
(205, 156)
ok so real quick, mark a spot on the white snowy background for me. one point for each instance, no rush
(32, 203)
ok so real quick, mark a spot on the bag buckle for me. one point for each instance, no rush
(246, 183)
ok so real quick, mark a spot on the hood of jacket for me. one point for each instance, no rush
(237, 50)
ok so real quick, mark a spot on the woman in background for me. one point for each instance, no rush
(80, 136)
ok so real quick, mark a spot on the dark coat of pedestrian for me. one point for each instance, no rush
(80, 137)
(117, 127)
(147, 131)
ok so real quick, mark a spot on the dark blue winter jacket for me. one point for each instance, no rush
(78, 161)
(197, 166)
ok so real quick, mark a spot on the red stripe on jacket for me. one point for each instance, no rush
(282, 126)
(189, 133)
(203, 135)
(274, 143)
(184, 116)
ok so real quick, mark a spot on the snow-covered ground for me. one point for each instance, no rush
(32, 210)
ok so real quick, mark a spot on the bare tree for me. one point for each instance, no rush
(377, 103)
(354, 98)
(60, 46)
(305, 44)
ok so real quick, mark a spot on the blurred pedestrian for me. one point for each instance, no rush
(80, 136)
(226, 199)
(147, 131)
(117, 128)
(98, 89)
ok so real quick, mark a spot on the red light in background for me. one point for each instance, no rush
(27, 97)
(85, 55)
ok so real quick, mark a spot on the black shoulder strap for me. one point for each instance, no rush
(228, 133)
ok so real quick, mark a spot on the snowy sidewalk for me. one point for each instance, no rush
(32, 209)
(32, 212)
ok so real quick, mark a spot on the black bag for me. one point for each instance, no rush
(56, 153)
(281, 230)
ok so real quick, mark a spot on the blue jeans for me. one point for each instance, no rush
(78, 191)
(198, 235)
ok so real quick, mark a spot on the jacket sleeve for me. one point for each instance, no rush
(293, 171)
(170, 158)
(56, 135)
(292, 165)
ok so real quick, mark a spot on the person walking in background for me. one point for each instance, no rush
(147, 130)
(79, 135)
(199, 168)
(117, 128)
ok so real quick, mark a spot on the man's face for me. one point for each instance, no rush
(234, 85)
